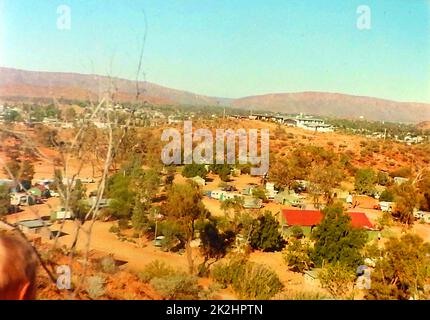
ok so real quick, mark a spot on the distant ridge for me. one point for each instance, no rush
(26, 85)
(338, 105)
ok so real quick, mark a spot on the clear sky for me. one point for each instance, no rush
(230, 48)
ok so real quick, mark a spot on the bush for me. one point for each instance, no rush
(173, 234)
(114, 229)
(194, 170)
(386, 220)
(297, 232)
(95, 287)
(249, 280)
(297, 256)
(123, 224)
(386, 195)
(258, 283)
(155, 269)
(337, 279)
(404, 172)
(226, 274)
(177, 287)
(108, 264)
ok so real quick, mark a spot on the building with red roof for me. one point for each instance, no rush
(307, 219)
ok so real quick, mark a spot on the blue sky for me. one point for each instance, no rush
(230, 48)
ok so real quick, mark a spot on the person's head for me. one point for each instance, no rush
(18, 266)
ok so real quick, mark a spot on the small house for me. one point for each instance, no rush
(37, 227)
(217, 194)
(307, 220)
(270, 190)
(386, 206)
(248, 189)
(252, 203)
(288, 198)
(22, 199)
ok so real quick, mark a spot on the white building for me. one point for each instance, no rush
(307, 123)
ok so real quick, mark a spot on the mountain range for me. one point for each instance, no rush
(20, 85)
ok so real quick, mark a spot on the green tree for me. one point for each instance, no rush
(70, 114)
(365, 180)
(323, 179)
(259, 193)
(184, 205)
(265, 234)
(423, 187)
(337, 279)
(234, 205)
(214, 244)
(194, 170)
(382, 178)
(403, 270)
(405, 201)
(27, 171)
(336, 240)
(222, 170)
(119, 190)
(12, 116)
(386, 195)
(4, 200)
(77, 201)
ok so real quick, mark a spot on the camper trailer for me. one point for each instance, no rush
(386, 206)
(62, 214)
(22, 199)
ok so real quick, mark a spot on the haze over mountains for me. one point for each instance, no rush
(23, 85)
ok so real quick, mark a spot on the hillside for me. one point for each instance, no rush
(337, 105)
(24, 85)
(425, 125)
(19, 83)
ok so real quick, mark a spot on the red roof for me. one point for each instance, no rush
(308, 218)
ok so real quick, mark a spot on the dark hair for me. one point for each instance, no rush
(18, 266)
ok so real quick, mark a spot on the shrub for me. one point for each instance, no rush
(386, 220)
(305, 295)
(173, 234)
(386, 195)
(95, 287)
(258, 283)
(365, 180)
(297, 232)
(108, 264)
(114, 229)
(249, 280)
(123, 224)
(337, 279)
(297, 256)
(177, 287)
(226, 274)
(155, 269)
(404, 172)
(194, 170)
